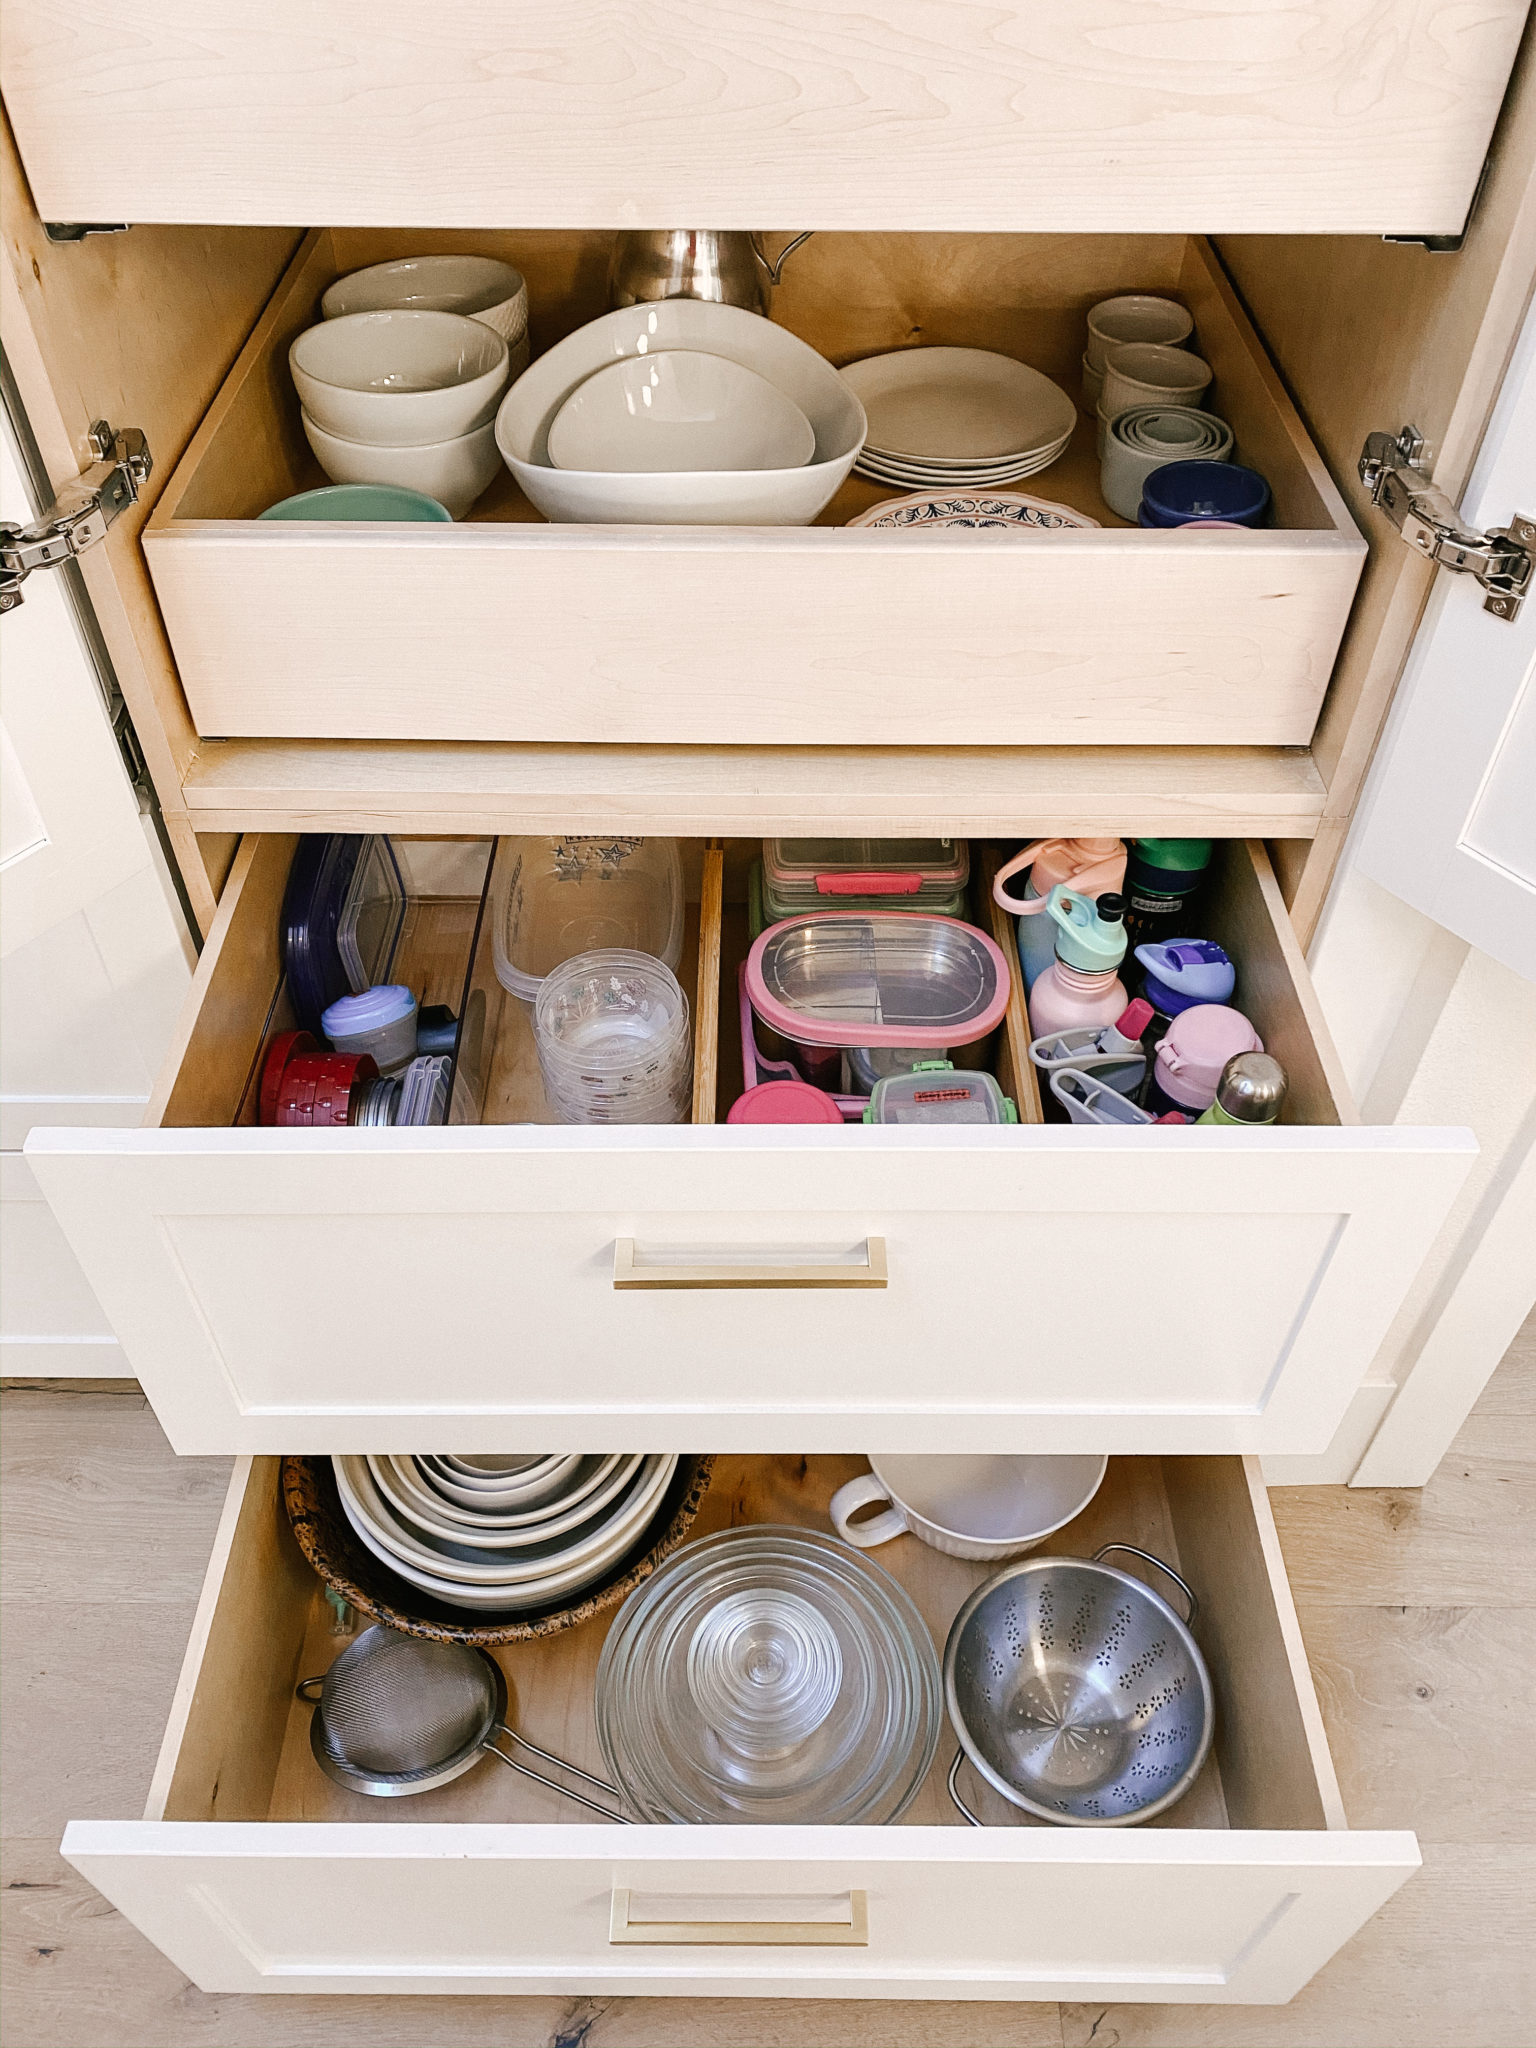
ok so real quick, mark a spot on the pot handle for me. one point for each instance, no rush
(772, 270)
(954, 1788)
(863, 1492)
(1147, 1558)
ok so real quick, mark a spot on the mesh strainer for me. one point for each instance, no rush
(400, 1714)
(1077, 1692)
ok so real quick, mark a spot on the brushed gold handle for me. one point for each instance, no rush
(631, 1271)
(641, 1919)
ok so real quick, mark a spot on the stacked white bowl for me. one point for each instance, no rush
(680, 413)
(614, 1040)
(502, 1535)
(406, 394)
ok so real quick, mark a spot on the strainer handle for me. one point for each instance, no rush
(302, 1691)
(953, 1781)
(560, 1764)
(1147, 1558)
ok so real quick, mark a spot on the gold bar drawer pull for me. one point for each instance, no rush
(670, 1920)
(734, 1266)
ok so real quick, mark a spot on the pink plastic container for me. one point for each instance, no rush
(859, 977)
(784, 1102)
(1199, 1044)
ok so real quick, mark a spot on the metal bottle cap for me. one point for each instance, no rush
(1252, 1088)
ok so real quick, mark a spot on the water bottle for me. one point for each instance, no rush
(1250, 1091)
(1081, 988)
(1162, 875)
(1086, 864)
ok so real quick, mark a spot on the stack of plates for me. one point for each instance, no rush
(957, 418)
(502, 1535)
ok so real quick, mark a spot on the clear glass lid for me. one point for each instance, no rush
(769, 1674)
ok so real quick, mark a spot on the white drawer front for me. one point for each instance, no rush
(1340, 119)
(1054, 1289)
(1205, 1916)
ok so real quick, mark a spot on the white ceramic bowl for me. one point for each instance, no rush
(478, 287)
(399, 379)
(986, 1508)
(763, 497)
(453, 472)
(510, 1495)
(1134, 316)
(676, 411)
(429, 1504)
(1150, 373)
(560, 1518)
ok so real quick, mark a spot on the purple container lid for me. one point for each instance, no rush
(374, 1010)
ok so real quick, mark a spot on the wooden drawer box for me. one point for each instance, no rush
(510, 1284)
(923, 113)
(252, 1872)
(506, 628)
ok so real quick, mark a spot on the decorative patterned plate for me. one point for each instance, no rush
(1001, 511)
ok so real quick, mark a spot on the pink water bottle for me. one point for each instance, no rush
(1081, 989)
(1088, 865)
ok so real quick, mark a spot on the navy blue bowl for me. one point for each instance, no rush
(1185, 493)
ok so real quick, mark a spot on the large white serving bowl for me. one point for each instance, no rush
(763, 497)
(560, 1519)
(454, 472)
(399, 379)
(679, 410)
(478, 287)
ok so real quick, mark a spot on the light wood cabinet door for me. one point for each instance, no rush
(253, 1873)
(510, 1283)
(1351, 118)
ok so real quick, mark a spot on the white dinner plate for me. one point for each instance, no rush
(958, 404)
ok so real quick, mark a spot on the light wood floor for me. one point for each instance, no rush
(1420, 1618)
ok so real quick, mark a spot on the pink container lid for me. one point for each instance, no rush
(784, 1102)
(878, 977)
(1200, 1041)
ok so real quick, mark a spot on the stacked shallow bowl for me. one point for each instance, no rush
(502, 1535)
(614, 1040)
(680, 413)
(400, 381)
(957, 419)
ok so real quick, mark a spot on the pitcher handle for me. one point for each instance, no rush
(774, 270)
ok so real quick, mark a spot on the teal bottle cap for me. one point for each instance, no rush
(1085, 940)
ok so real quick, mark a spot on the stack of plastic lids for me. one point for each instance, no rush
(864, 874)
(579, 892)
(935, 1094)
(424, 1090)
(341, 919)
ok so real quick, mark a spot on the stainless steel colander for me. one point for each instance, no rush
(398, 1714)
(1077, 1692)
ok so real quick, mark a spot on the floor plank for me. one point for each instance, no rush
(1418, 1616)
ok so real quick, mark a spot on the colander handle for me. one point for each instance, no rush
(1147, 1558)
(953, 1781)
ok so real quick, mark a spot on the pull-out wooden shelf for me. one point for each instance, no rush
(504, 628)
(1048, 1287)
(252, 1872)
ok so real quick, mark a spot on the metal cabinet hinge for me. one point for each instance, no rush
(81, 513)
(77, 230)
(1503, 559)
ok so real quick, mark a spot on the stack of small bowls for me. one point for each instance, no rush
(1132, 317)
(502, 1535)
(1147, 437)
(406, 394)
(614, 1040)
(680, 413)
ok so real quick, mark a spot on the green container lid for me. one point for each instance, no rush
(363, 501)
(1180, 856)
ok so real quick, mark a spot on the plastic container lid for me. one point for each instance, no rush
(915, 874)
(318, 884)
(581, 892)
(871, 978)
(372, 916)
(375, 1009)
(784, 1102)
(935, 1094)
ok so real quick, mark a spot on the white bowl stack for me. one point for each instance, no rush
(502, 1535)
(957, 419)
(478, 287)
(680, 413)
(406, 394)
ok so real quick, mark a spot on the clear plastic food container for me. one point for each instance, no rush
(877, 978)
(936, 1094)
(581, 892)
(864, 874)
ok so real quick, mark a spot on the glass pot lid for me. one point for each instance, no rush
(769, 1674)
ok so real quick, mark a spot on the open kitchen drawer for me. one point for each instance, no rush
(1343, 119)
(505, 628)
(253, 1872)
(508, 1285)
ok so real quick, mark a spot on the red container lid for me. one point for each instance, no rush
(784, 1102)
(317, 1088)
(285, 1046)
